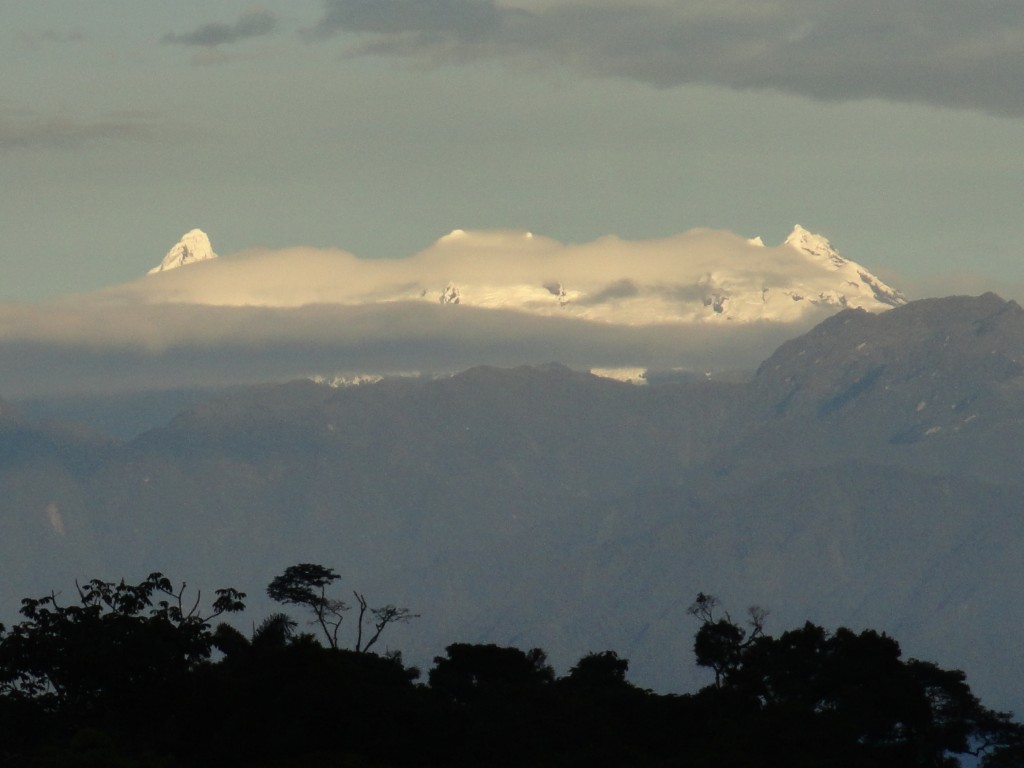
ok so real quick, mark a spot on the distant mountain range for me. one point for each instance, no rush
(696, 302)
(869, 475)
(699, 276)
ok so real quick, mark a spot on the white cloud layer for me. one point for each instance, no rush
(644, 282)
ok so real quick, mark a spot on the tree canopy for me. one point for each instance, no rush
(134, 675)
(841, 696)
(116, 638)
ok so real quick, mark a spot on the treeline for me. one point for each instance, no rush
(142, 675)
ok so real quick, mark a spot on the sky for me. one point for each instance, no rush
(378, 126)
(893, 128)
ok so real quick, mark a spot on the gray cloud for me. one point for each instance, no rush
(431, 19)
(940, 52)
(36, 132)
(255, 23)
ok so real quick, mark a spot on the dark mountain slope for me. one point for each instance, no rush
(937, 385)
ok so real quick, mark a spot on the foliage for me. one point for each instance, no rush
(118, 638)
(600, 670)
(468, 672)
(113, 662)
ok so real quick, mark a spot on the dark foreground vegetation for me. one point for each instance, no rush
(142, 675)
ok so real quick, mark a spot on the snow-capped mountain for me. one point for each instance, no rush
(700, 302)
(700, 276)
(818, 249)
(193, 247)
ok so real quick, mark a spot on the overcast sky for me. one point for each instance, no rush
(894, 128)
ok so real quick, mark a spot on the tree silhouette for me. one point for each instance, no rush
(306, 584)
(720, 642)
(381, 617)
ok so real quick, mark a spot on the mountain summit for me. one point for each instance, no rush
(820, 251)
(194, 246)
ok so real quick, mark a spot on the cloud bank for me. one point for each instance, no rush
(76, 351)
(941, 52)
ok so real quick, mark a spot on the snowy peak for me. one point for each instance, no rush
(819, 250)
(652, 282)
(193, 247)
(451, 294)
(815, 247)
